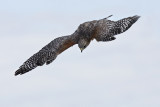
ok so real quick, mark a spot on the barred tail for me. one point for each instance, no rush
(124, 24)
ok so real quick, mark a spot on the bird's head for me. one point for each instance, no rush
(83, 43)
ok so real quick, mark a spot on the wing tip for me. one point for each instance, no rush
(18, 72)
(136, 17)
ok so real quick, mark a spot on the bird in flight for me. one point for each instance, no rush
(102, 30)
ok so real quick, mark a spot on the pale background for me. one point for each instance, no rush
(121, 73)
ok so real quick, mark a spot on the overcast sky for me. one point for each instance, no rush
(121, 73)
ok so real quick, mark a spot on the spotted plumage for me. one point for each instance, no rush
(101, 30)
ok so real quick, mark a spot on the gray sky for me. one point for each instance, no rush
(121, 73)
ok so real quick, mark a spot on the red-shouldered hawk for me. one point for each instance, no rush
(101, 30)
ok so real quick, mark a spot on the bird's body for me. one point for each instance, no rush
(101, 30)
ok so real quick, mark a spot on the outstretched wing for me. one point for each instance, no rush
(47, 54)
(101, 30)
(106, 29)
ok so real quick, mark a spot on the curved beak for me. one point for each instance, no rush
(81, 49)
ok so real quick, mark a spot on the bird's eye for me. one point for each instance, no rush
(84, 46)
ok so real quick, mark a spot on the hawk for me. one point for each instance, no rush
(101, 30)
